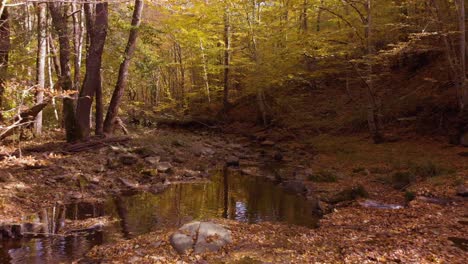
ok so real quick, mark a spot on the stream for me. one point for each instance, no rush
(228, 195)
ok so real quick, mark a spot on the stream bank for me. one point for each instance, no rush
(336, 176)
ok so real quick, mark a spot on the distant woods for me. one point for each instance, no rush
(206, 55)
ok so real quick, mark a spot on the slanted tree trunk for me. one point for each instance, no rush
(41, 61)
(92, 81)
(122, 79)
(4, 50)
(227, 58)
(58, 12)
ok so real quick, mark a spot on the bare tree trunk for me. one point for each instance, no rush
(462, 44)
(305, 16)
(372, 113)
(205, 71)
(41, 61)
(4, 50)
(58, 12)
(92, 81)
(77, 41)
(227, 57)
(122, 79)
(55, 57)
(51, 79)
(319, 16)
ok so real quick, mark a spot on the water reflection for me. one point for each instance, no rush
(228, 195)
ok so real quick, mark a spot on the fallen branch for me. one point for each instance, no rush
(95, 144)
(24, 118)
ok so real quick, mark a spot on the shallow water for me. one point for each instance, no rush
(228, 195)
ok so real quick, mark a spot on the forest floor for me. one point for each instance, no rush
(394, 202)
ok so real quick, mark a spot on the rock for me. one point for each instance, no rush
(295, 187)
(252, 171)
(113, 163)
(150, 172)
(164, 167)
(6, 177)
(462, 191)
(267, 143)
(201, 237)
(190, 173)
(178, 160)
(128, 159)
(75, 195)
(232, 161)
(199, 150)
(157, 188)
(152, 160)
(129, 183)
(99, 168)
(379, 205)
(144, 152)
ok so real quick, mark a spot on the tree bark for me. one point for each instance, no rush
(227, 59)
(372, 113)
(58, 12)
(41, 61)
(124, 66)
(4, 51)
(92, 81)
(205, 72)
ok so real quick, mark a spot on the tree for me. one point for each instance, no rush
(41, 61)
(4, 50)
(92, 85)
(122, 78)
(59, 14)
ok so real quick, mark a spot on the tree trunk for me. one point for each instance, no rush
(462, 44)
(372, 115)
(41, 61)
(77, 41)
(92, 81)
(319, 16)
(227, 59)
(4, 50)
(123, 71)
(205, 72)
(59, 16)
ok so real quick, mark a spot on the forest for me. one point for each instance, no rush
(233, 131)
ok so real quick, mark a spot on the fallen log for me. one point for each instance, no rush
(25, 118)
(95, 144)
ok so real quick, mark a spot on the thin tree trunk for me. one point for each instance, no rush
(205, 72)
(55, 57)
(59, 16)
(122, 79)
(51, 79)
(372, 118)
(92, 81)
(462, 44)
(319, 16)
(41, 61)
(227, 59)
(4, 50)
(305, 16)
(77, 42)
